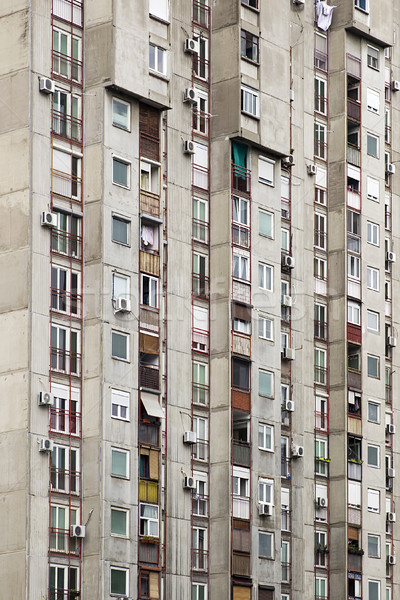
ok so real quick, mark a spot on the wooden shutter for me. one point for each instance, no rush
(153, 464)
(149, 344)
(149, 129)
(265, 594)
(242, 312)
(241, 593)
(154, 586)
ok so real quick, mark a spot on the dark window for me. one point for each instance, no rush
(144, 585)
(144, 466)
(240, 374)
(249, 46)
(252, 3)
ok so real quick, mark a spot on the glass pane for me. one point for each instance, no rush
(118, 463)
(118, 522)
(118, 582)
(120, 230)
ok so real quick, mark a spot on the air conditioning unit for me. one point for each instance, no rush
(390, 169)
(122, 304)
(190, 95)
(189, 437)
(49, 219)
(45, 398)
(189, 147)
(265, 510)
(395, 85)
(391, 341)
(287, 261)
(312, 169)
(390, 428)
(321, 502)
(46, 445)
(288, 353)
(288, 405)
(191, 46)
(189, 483)
(288, 161)
(297, 451)
(46, 85)
(391, 473)
(391, 559)
(78, 531)
(286, 300)
(391, 517)
(391, 257)
(291, 95)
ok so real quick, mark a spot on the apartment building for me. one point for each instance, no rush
(198, 242)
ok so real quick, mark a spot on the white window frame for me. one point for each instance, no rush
(373, 500)
(153, 283)
(124, 570)
(285, 239)
(121, 219)
(241, 211)
(159, 9)
(271, 216)
(372, 233)
(320, 136)
(358, 4)
(373, 57)
(285, 509)
(263, 269)
(320, 231)
(126, 127)
(373, 101)
(378, 453)
(378, 540)
(200, 498)
(266, 171)
(376, 138)
(69, 478)
(353, 267)
(353, 312)
(201, 113)
(321, 451)
(373, 189)
(241, 326)
(126, 336)
(265, 490)
(127, 457)
(120, 402)
(126, 512)
(146, 523)
(321, 85)
(270, 375)
(241, 266)
(159, 64)
(266, 431)
(372, 326)
(378, 411)
(65, 412)
(266, 328)
(373, 279)
(320, 366)
(320, 268)
(152, 169)
(127, 164)
(197, 366)
(285, 567)
(270, 535)
(250, 101)
(196, 587)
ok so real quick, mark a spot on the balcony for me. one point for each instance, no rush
(320, 149)
(200, 286)
(241, 292)
(200, 393)
(321, 421)
(63, 594)
(200, 68)
(201, 15)
(62, 543)
(200, 505)
(66, 244)
(149, 434)
(241, 507)
(148, 491)
(353, 155)
(149, 376)
(67, 68)
(321, 375)
(200, 177)
(66, 185)
(150, 203)
(354, 333)
(240, 235)
(354, 469)
(199, 559)
(66, 127)
(64, 481)
(68, 10)
(353, 65)
(200, 450)
(241, 181)
(353, 110)
(241, 564)
(200, 341)
(149, 552)
(149, 146)
(241, 453)
(320, 330)
(200, 231)
(62, 361)
(200, 122)
(65, 302)
(65, 422)
(241, 344)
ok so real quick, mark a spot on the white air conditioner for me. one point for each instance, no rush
(391, 341)
(391, 517)
(191, 46)
(286, 300)
(395, 85)
(189, 147)
(390, 169)
(297, 451)
(287, 261)
(321, 502)
(289, 405)
(190, 95)
(391, 473)
(189, 483)
(46, 445)
(391, 257)
(45, 398)
(288, 161)
(265, 510)
(49, 219)
(78, 531)
(391, 559)
(122, 304)
(288, 353)
(312, 169)
(291, 95)
(285, 213)
(46, 85)
(189, 437)
(390, 428)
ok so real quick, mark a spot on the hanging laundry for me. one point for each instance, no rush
(324, 15)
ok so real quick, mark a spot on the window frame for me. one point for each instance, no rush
(371, 313)
(268, 214)
(262, 170)
(371, 58)
(262, 326)
(263, 268)
(126, 512)
(126, 127)
(125, 404)
(270, 374)
(158, 52)
(262, 431)
(153, 292)
(249, 40)
(149, 520)
(121, 569)
(378, 545)
(115, 449)
(372, 233)
(372, 136)
(250, 101)
(270, 536)
(376, 494)
(161, 17)
(372, 275)
(121, 219)
(378, 456)
(128, 164)
(353, 311)
(122, 334)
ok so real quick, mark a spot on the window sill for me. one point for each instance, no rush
(362, 10)
(125, 360)
(124, 477)
(121, 127)
(270, 450)
(159, 19)
(252, 8)
(256, 63)
(266, 396)
(159, 75)
(246, 114)
(121, 243)
(125, 187)
(265, 182)
(120, 419)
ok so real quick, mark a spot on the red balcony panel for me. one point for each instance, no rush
(354, 333)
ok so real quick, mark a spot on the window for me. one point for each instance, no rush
(65, 412)
(373, 279)
(241, 267)
(120, 405)
(354, 494)
(373, 500)
(121, 172)
(150, 177)
(119, 345)
(65, 290)
(265, 544)
(373, 590)
(65, 350)
(373, 100)
(200, 383)
(61, 517)
(320, 95)
(361, 4)
(265, 277)
(120, 462)
(63, 579)
(200, 428)
(320, 231)
(249, 46)
(66, 115)
(200, 220)
(285, 552)
(321, 545)
(372, 145)
(353, 312)
(250, 101)
(252, 3)
(266, 170)
(372, 189)
(266, 437)
(67, 237)
(372, 320)
(157, 59)
(201, 496)
(320, 268)
(265, 383)
(321, 588)
(120, 230)
(240, 210)
(119, 521)
(320, 366)
(353, 266)
(320, 141)
(372, 233)
(285, 239)
(64, 469)
(285, 456)
(200, 112)
(373, 366)
(353, 223)
(199, 548)
(265, 328)
(159, 9)
(240, 374)
(266, 223)
(199, 591)
(200, 61)
(149, 520)
(373, 546)
(373, 411)
(266, 491)
(241, 326)
(120, 286)
(284, 340)
(373, 57)
(149, 235)
(285, 509)
(373, 455)
(121, 114)
(149, 291)
(321, 412)
(200, 167)
(241, 492)
(66, 55)
(119, 581)
(321, 455)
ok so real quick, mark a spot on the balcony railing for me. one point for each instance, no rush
(201, 286)
(321, 330)
(241, 235)
(200, 340)
(200, 176)
(66, 126)
(241, 507)
(66, 244)
(63, 594)
(353, 198)
(321, 104)
(201, 15)
(149, 552)
(200, 505)
(200, 231)
(320, 149)
(64, 481)
(199, 559)
(200, 450)
(149, 146)
(66, 67)
(148, 491)
(353, 110)
(149, 376)
(241, 180)
(353, 66)
(65, 302)
(321, 375)
(66, 185)
(65, 421)
(200, 393)
(200, 122)
(65, 362)
(241, 453)
(149, 434)
(321, 421)
(200, 68)
(353, 155)
(61, 542)
(68, 10)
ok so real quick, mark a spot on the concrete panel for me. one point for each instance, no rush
(15, 152)
(14, 349)
(14, 288)
(15, 101)
(13, 572)
(98, 46)
(14, 42)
